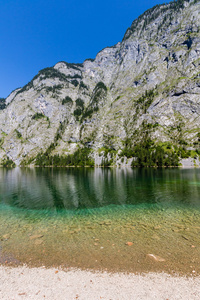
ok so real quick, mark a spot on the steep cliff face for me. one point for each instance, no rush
(146, 85)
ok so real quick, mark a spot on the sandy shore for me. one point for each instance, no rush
(41, 283)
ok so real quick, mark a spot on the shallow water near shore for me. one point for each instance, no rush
(85, 217)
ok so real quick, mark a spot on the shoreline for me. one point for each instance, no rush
(102, 167)
(41, 283)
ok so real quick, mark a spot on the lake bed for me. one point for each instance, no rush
(129, 220)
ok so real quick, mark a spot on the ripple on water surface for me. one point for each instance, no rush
(101, 218)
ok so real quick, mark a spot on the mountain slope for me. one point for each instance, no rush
(144, 89)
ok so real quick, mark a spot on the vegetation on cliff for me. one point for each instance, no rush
(80, 158)
(2, 103)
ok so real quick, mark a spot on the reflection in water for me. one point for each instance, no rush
(48, 188)
(55, 193)
(84, 218)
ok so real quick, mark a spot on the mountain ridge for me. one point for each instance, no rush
(142, 93)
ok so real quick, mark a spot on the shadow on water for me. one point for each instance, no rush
(83, 188)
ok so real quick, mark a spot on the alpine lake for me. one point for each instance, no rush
(113, 219)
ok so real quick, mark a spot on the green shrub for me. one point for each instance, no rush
(89, 112)
(9, 163)
(74, 76)
(73, 65)
(100, 92)
(2, 103)
(198, 136)
(144, 102)
(67, 100)
(90, 59)
(82, 85)
(80, 102)
(44, 74)
(148, 154)
(81, 158)
(51, 73)
(38, 116)
(106, 162)
(100, 85)
(75, 82)
(54, 88)
(18, 134)
(79, 108)
(153, 13)
(77, 113)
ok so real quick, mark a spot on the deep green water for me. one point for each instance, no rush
(84, 217)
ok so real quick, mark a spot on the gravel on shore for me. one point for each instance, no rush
(41, 283)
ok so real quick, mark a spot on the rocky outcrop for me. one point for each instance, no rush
(149, 80)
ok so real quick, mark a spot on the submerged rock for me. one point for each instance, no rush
(36, 236)
(38, 242)
(129, 243)
(156, 257)
(6, 236)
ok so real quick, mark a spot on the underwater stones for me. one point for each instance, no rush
(180, 226)
(176, 230)
(36, 236)
(88, 223)
(106, 222)
(75, 230)
(143, 226)
(196, 227)
(156, 227)
(90, 227)
(185, 237)
(6, 236)
(129, 243)
(128, 227)
(155, 237)
(155, 258)
(72, 227)
(38, 242)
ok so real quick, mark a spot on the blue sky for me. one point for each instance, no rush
(36, 34)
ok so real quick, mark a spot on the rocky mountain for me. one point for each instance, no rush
(138, 101)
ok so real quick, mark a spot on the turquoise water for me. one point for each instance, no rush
(85, 217)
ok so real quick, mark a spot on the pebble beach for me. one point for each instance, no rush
(41, 283)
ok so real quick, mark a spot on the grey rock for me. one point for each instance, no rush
(159, 52)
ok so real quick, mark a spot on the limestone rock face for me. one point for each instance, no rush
(105, 101)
